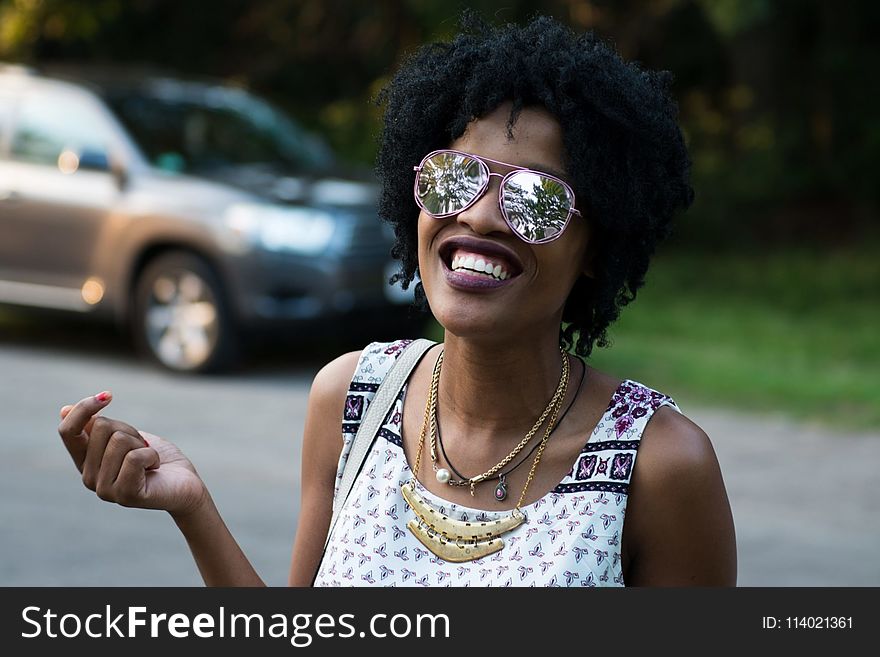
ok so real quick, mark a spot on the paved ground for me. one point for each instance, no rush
(805, 499)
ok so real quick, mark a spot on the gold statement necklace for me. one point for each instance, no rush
(456, 540)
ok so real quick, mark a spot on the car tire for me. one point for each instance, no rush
(180, 316)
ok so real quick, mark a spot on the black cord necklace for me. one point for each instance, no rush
(501, 488)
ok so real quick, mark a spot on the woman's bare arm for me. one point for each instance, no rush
(321, 448)
(138, 469)
(215, 551)
(679, 525)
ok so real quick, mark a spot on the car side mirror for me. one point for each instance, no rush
(93, 159)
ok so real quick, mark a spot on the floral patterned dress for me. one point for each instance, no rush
(571, 538)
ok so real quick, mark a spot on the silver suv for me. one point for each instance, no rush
(189, 212)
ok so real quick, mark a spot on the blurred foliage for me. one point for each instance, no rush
(791, 332)
(777, 97)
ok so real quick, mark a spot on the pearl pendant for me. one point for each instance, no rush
(443, 475)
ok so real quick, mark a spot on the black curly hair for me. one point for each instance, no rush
(624, 152)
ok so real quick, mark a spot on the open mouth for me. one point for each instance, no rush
(478, 261)
(478, 264)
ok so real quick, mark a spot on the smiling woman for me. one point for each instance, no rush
(528, 174)
(546, 171)
(540, 276)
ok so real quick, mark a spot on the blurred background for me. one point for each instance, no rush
(199, 178)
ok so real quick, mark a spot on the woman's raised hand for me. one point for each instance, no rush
(127, 466)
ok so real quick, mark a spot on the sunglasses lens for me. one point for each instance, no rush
(536, 206)
(448, 182)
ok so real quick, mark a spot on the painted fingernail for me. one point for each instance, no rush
(102, 396)
(146, 442)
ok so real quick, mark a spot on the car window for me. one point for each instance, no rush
(199, 133)
(51, 123)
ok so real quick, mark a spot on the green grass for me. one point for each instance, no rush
(795, 332)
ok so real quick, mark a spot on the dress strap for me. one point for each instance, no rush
(606, 461)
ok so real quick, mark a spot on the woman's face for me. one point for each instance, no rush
(540, 276)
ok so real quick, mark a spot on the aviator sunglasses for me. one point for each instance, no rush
(536, 205)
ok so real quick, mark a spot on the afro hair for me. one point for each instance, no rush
(624, 151)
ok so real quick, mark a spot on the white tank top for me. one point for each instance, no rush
(571, 537)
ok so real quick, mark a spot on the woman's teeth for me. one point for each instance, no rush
(479, 266)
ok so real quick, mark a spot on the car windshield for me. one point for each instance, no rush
(202, 129)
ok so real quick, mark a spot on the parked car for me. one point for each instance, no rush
(189, 212)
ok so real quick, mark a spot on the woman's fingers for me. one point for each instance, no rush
(126, 466)
(119, 446)
(119, 463)
(130, 485)
(106, 435)
(74, 423)
(148, 438)
(66, 409)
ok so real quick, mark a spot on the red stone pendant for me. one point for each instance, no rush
(501, 489)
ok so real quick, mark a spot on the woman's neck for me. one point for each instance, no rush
(497, 387)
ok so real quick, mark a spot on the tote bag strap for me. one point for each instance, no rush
(377, 411)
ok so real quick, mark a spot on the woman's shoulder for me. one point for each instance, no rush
(669, 435)
(345, 381)
(674, 451)
(679, 523)
(366, 366)
(675, 457)
(626, 404)
(670, 442)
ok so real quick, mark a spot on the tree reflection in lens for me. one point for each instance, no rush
(536, 206)
(448, 182)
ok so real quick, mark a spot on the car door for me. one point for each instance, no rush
(57, 193)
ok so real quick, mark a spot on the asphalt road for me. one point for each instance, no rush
(805, 499)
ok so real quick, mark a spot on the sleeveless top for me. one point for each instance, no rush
(571, 537)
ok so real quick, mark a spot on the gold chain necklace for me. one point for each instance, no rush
(457, 540)
(443, 475)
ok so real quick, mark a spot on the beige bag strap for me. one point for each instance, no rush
(377, 411)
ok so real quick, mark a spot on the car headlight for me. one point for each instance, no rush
(276, 228)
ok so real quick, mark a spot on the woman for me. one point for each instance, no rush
(529, 174)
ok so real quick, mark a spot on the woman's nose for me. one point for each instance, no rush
(484, 216)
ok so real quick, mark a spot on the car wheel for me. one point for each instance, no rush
(180, 317)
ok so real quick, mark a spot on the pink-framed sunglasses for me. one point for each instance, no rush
(536, 205)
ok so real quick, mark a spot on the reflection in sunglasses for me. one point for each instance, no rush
(536, 205)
